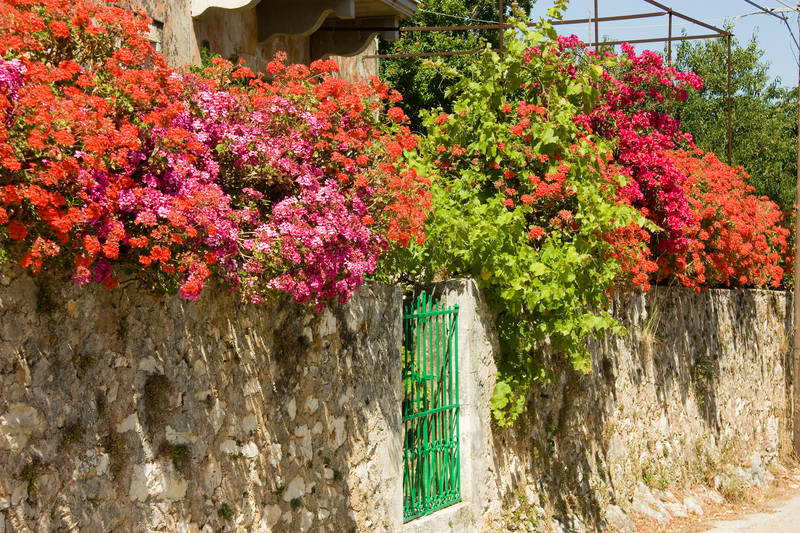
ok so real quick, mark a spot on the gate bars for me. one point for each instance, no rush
(431, 465)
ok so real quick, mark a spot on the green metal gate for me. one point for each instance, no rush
(431, 473)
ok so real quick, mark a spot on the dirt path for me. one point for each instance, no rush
(784, 519)
(772, 509)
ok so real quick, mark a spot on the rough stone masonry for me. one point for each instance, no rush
(694, 397)
(124, 412)
(121, 411)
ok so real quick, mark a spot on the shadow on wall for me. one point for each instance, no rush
(699, 381)
(120, 411)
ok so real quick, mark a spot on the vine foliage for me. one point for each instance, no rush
(523, 196)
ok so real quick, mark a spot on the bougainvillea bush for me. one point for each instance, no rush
(630, 113)
(110, 160)
(735, 238)
(710, 230)
(557, 178)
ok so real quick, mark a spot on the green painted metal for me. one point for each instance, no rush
(431, 465)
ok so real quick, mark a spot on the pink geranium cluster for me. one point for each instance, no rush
(292, 183)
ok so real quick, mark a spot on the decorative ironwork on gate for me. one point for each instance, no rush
(431, 466)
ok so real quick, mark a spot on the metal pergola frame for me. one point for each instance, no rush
(596, 20)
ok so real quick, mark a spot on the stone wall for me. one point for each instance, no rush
(124, 412)
(120, 411)
(696, 394)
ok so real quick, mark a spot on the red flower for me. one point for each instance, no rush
(160, 253)
(64, 138)
(242, 73)
(17, 230)
(36, 140)
(396, 114)
(91, 244)
(11, 164)
(111, 250)
(191, 289)
(59, 29)
(274, 67)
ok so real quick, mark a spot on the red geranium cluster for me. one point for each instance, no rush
(108, 157)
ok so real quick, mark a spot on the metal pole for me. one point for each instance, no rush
(596, 29)
(430, 54)
(501, 21)
(493, 26)
(669, 42)
(604, 43)
(604, 19)
(796, 298)
(687, 18)
(730, 113)
(663, 39)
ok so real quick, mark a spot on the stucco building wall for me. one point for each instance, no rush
(234, 33)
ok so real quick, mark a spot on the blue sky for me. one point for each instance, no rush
(773, 36)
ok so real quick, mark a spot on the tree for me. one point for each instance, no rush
(764, 114)
(421, 83)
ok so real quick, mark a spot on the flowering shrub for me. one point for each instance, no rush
(523, 195)
(629, 113)
(736, 239)
(108, 158)
(555, 176)
(710, 230)
(714, 231)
